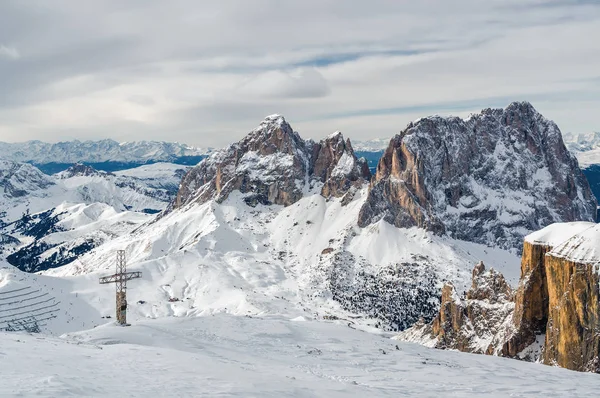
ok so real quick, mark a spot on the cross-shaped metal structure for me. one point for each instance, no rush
(120, 279)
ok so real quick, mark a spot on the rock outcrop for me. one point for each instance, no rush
(555, 316)
(471, 323)
(489, 179)
(531, 301)
(274, 165)
(572, 276)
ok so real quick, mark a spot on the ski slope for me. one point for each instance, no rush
(229, 356)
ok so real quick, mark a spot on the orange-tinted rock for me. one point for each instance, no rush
(531, 301)
(464, 177)
(573, 330)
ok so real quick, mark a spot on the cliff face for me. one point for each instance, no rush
(573, 330)
(273, 165)
(531, 300)
(555, 316)
(488, 179)
(472, 323)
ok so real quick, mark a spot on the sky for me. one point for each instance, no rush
(207, 72)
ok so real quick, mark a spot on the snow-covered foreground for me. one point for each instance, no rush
(225, 355)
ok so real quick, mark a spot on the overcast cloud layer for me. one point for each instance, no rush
(206, 72)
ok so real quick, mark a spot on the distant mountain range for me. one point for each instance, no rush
(106, 155)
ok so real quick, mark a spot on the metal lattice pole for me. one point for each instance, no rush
(120, 279)
(121, 287)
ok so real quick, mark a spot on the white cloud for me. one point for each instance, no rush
(300, 83)
(209, 71)
(9, 52)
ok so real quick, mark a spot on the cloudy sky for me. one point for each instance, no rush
(206, 72)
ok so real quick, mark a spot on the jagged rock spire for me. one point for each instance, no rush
(274, 165)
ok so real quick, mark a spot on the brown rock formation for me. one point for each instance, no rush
(531, 301)
(557, 297)
(573, 330)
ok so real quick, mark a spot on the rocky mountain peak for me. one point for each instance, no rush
(273, 135)
(81, 170)
(489, 285)
(491, 178)
(274, 165)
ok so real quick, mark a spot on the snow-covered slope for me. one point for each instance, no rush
(37, 303)
(158, 175)
(38, 152)
(576, 242)
(304, 259)
(229, 356)
(61, 235)
(123, 192)
(25, 189)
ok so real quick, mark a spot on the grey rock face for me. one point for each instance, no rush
(274, 165)
(20, 179)
(490, 179)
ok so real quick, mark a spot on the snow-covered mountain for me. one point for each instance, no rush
(582, 142)
(490, 179)
(272, 229)
(284, 217)
(585, 146)
(38, 152)
(273, 165)
(373, 145)
(48, 221)
(269, 223)
(275, 220)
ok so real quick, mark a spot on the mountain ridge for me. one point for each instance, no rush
(71, 152)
